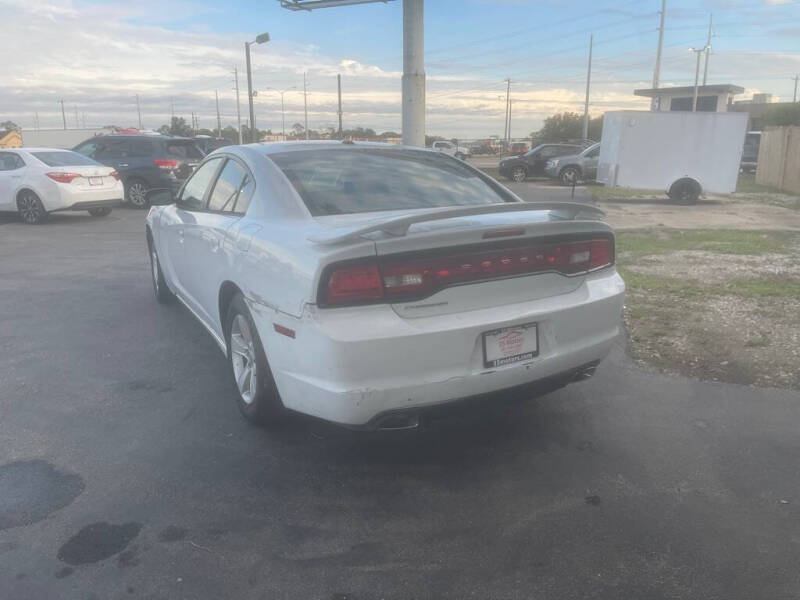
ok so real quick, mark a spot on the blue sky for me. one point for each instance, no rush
(98, 55)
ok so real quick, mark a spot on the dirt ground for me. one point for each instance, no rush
(745, 211)
(715, 304)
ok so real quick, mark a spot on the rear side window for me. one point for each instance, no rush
(194, 192)
(593, 153)
(183, 150)
(10, 161)
(63, 159)
(227, 187)
(353, 180)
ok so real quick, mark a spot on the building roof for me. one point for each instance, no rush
(721, 88)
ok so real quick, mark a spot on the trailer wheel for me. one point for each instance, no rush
(685, 191)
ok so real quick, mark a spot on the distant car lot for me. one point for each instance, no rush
(117, 414)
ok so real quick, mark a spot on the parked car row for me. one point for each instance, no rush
(566, 162)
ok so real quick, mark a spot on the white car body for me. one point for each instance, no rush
(355, 365)
(94, 186)
(451, 149)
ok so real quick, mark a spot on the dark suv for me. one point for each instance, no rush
(144, 161)
(533, 161)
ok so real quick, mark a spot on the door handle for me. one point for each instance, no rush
(122, 165)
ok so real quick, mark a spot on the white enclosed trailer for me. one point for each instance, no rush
(683, 153)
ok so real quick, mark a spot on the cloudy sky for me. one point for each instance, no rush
(97, 56)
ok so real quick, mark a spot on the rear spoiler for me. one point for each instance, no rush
(399, 226)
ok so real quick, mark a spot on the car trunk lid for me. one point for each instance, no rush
(433, 263)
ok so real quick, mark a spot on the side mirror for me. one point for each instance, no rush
(159, 196)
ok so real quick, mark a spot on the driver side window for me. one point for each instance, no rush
(192, 196)
(548, 151)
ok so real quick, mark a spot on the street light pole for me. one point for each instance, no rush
(260, 39)
(250, 92)
(283, 108)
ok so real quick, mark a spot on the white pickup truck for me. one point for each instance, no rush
(450, 148)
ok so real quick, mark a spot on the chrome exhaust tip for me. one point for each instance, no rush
(398, 422)
(585, 372)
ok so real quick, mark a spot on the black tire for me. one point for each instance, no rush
(569, 175)
(100, 212)
(684, 192)
(519, 174)
(264, 406)
(30, 207)
(136, 193)
(162, 292)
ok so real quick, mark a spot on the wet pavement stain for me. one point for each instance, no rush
(592, 500)
(172, 533)
(32, 490)
(97, 541)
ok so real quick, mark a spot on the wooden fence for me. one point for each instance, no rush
(779, 159)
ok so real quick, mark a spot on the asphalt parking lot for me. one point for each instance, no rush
(127, 472)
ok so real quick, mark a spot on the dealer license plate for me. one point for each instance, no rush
(510, 345)
(95, 181)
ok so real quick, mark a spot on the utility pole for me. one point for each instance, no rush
(84, 120)
(171, 109)
(77, 120)
(708, 49)
(250, 93)
(413, 74)
(305, 102)
(219, 122)
(699, 52)
(63, 114)
(588, 83)
(657, 71)
(507, 127)
(510, 104)
(139, 111)
(794, 98)
(238, 106)
(339, 81)
(36, 120)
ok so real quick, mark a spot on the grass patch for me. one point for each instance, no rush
(736, 328)
(746, 184)
(636, 244)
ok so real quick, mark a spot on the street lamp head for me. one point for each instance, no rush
(260, 39)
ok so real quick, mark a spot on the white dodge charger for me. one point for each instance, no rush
(37, 181)
(367, 284)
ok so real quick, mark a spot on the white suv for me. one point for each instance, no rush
(450, 148)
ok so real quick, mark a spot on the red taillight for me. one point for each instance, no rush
(355, 284)
(602, 254)
(115, 175)
(63, 177)
(395, 280)
(163, 163)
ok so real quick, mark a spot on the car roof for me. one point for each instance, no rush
(276, 147)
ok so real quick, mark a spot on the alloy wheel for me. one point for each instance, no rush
(137, 194)
(518, 174)
(243, 359)
(30, 209)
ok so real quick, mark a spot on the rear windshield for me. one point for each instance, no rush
(353, 180)
(183, 149)
(65, 158)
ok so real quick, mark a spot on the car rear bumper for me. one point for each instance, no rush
(351, 365)
(67, 198)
